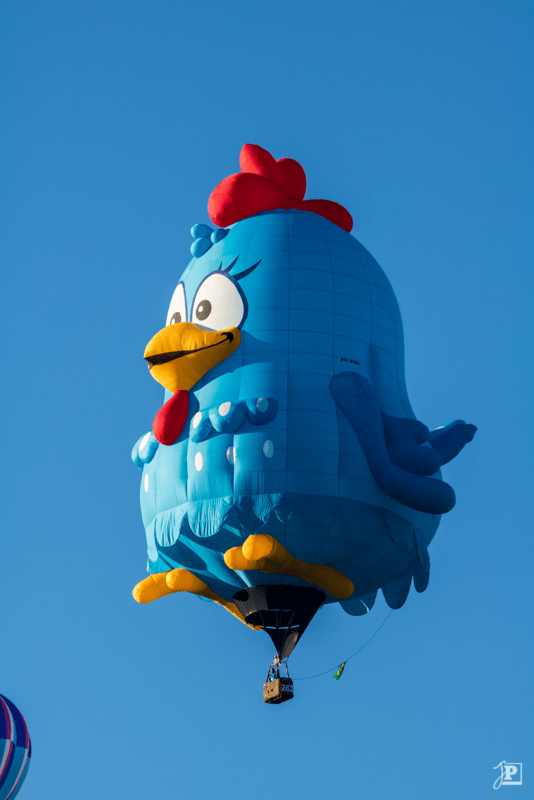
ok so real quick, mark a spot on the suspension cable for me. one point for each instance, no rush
(318, 675)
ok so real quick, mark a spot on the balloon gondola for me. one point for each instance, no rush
(276, 688)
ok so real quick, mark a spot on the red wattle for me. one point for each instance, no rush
(170, 420)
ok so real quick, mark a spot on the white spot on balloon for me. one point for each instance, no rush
(268, 449)
(199, 461)
(196, 419)
(262, 404)
(146, 483)
(224, 408)
(144, 441)
(230, 455)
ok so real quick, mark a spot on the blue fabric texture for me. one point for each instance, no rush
(354, 396)
(305, 432)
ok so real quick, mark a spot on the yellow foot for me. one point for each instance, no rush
(264, 552)
(181, 580)
(152, 588)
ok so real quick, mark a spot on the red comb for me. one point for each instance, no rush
(264, 185)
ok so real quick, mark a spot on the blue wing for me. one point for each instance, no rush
(395, 448)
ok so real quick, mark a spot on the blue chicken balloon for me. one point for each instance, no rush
(286, 468)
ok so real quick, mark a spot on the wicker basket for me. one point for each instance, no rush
(278, 691)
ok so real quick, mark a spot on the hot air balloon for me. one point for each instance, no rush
(286, 468)
(15, 749)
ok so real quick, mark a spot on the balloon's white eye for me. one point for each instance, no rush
(177, 312)
(218, 303)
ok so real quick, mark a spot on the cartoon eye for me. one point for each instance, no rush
(177, 312)
(218, 303)
(204, 309)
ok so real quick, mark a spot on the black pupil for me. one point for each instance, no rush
(203, 309)
(176, 317)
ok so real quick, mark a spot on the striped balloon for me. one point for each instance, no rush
(15, 749)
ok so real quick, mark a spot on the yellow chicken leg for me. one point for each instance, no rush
(262, 551)
(181, 580)
(152, 588)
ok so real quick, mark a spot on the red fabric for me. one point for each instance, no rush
(264, 185)
(293, 178)
(170, 420)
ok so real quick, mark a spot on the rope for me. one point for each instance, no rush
(260, 644)
(308, 677)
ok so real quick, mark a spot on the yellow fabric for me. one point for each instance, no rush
(235, 559)
(183, 372)
(181, 580)
(264, 552)
(152, 588)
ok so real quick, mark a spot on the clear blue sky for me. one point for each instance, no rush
(118, 119)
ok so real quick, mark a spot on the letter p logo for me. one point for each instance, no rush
(511, 774)
(509, 770)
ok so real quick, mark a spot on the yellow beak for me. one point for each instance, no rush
(181, 354)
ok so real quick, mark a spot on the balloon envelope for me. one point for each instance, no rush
(15, 749)
(286, 414)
